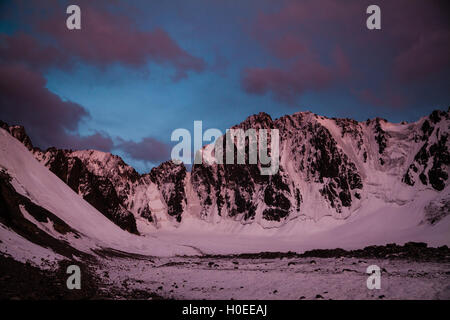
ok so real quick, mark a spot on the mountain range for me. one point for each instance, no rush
(329, 167)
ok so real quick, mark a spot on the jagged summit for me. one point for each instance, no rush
(257, 121)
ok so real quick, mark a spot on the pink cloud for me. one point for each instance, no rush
(286, 47)
(289, 36)
(105, 38)
(387, 98)
(413, 45)
(148, 149)
(48, 119)
(306, 73)
(96, 141)
(24, 48)
(426, 56)
(309, 17)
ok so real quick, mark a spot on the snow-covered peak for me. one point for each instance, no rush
(106, 164)
(328, 167)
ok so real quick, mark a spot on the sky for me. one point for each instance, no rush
(138, 70)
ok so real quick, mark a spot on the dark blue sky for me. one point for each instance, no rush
(140, 69)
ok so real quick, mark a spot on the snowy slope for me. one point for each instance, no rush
(379, 223)
(34, 181)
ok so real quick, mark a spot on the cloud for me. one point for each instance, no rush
(49, 120)
(412, 46)
(23, 48)
(386, 98)
(106, 38)
(298, 65)
(425, 56)
(287, 47)
(418, 33)
(148, 149)
(96, 141)
(306, 73)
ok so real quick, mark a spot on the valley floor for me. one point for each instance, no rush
(408, 272)
(286, 278)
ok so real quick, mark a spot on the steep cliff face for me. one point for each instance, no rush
(241, 192)
(96, 189)
(170, 179)
(430, 163)
(311, 162)
(328, 167)
(117, 190)
(315, 156)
